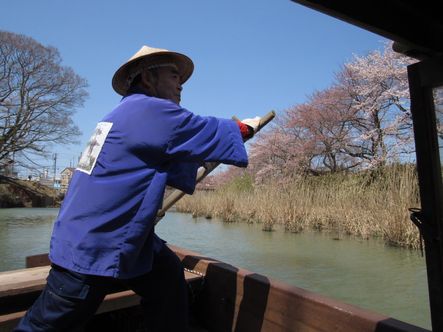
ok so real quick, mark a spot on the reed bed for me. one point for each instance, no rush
(367, 204)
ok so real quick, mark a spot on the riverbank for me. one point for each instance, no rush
(22, 193)
(365, 204)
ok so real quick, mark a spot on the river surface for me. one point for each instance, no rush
(368, 274)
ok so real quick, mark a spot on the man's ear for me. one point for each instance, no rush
(148, 82)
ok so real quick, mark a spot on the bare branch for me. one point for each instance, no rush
(38, 97)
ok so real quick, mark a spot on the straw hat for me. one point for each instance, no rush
(150, 57)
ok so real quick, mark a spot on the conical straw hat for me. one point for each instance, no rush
(150, 56)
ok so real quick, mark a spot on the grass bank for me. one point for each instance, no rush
(368, 204)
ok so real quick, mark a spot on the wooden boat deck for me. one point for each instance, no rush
(20, 287)
(229, 299)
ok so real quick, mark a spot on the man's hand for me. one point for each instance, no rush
(253, 123)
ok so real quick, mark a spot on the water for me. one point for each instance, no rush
(368, 274)
(24, 232)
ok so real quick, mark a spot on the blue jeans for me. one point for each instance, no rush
(70, 299)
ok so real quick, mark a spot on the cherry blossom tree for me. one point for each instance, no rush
(362, 121)
(328, 119)
(378, 86)
(309, 138)
(279, 152)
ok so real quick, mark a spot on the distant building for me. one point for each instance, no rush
(65, 178)
(45, 180)
(57, 184)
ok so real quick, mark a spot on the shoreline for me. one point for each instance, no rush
(351, 204)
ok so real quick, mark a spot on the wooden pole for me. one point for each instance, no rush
(423, 76)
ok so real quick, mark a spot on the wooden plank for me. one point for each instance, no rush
(37, 260)
(235, 299)
(33, 279)
(9, 321)
(112, 302)
(26, 280)
(23, 281)
(118, 301)
(415, 23)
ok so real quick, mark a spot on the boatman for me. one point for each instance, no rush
(104, 236)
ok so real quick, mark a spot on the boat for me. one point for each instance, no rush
(223, 298)
(229, 298)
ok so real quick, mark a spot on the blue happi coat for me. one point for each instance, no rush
(105, 225)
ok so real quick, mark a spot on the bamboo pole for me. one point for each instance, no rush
(202, 172)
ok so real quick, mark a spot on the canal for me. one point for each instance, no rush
(365, 273)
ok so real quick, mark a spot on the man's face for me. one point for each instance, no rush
(168, 84)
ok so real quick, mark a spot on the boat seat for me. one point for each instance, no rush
(21, 287)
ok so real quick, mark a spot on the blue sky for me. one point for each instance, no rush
(250, 56)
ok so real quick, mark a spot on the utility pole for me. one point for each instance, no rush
(55, 166)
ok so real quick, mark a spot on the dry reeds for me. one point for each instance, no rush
(367, 204)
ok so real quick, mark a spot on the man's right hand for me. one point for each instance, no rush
(253, 123)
